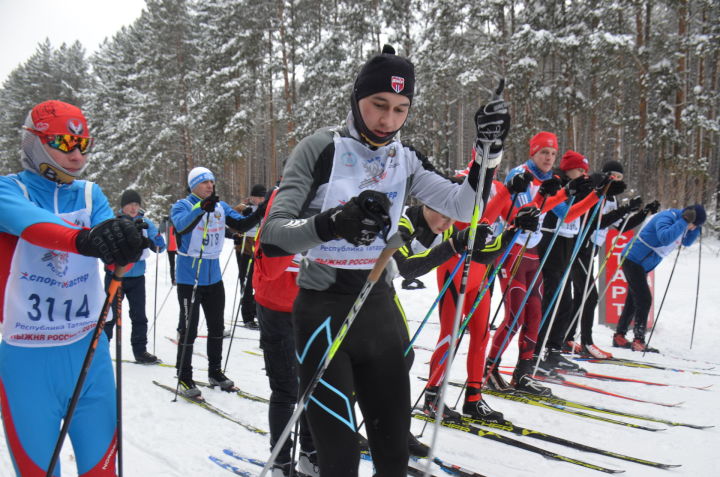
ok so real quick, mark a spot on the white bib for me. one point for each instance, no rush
(215, 235)
(52, 297)
(357, 168)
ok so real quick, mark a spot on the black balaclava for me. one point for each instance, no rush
(385, 72)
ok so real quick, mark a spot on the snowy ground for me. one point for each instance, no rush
(163, 438)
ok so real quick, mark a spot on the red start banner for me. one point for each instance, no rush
(612, 302)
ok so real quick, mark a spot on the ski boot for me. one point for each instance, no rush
(308, 464)
(555, 360)
(494, 380)
(189, 389)
(638, 344)
(523, 381)
(217, 378)
(619, 341)
(572, 347)
(146, 358)
(475, 407)
(430, 406)
(593, 351)
(417, 448)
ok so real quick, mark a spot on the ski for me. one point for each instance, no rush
(451, 469)
(573, 407)
(642, 364)
(239, 392)
(228, 466)
(175, 342)
(606, 377)
(571, 384)
(411, 470)
(157, 363)
(202, 402)
(508, 426)
(480, 432)
(526, 398)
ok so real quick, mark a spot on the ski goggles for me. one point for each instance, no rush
(65, 142)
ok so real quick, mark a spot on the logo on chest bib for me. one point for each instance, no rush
(57, 262)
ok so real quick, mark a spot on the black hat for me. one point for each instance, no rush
(700, 215)
(613, 166)
(258, 190)
(387, 73)
(128, 197)
(383, 73)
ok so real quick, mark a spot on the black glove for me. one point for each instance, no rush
(519, 182)
(616, 188)
(114, 241)
(246, 211)
(527, 218)
(550, 187)
(492, 123)
(359, 221)
(689, 215)
(237, 240)
(652, 207)
(635, 204)
(208, 204)
(460, 237)
(580, 186)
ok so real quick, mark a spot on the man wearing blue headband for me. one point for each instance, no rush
(200, 220)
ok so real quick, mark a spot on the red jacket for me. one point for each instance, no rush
(274, 278)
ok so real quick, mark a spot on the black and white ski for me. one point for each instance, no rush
(202, 402)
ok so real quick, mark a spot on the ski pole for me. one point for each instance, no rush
(112, 291)
(466, 321)
(515, 266)
(697, 290)
(445, 286)
(494, 360)
(237, 283)
(556, 299)
(118, 377)
(477, 212)
(589, 287)
(662, 302)
(189, 310)
(237, 313)
(304, 399)
(155, 312)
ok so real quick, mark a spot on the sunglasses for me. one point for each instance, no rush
(65, 142)
(618, 176)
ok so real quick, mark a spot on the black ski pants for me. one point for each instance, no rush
(369, 367)
(557, 262)
(277, 341)
(638, 301)
(212, 300)
(133, 289)
(584, 266)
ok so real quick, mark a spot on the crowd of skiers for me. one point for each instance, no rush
(316, 264)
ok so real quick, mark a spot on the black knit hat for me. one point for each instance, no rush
(385, 73)
(613, 166)
(128, 197)
(258, 190)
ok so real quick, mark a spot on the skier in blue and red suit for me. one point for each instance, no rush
(52, 229)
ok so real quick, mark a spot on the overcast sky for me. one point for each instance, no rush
(25, 23)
